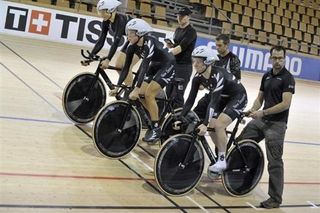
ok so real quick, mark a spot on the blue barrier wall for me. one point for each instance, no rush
(257, 60)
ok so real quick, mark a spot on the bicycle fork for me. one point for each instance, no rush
(186, 159)
(208, 149)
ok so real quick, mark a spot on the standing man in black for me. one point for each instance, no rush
(275, 94)
(227, 60)
(184, 41)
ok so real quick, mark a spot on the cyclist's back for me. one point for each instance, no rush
(154, 59)
(231, 85)
(117, 29)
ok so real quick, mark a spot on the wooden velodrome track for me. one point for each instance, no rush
(50, 165)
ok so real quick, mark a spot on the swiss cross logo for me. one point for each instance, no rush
(39, 22)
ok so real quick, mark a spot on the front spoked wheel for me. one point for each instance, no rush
(240, 179)
(116, 129)
(83, 97)
(175, 172)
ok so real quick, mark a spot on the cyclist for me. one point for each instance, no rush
(156, 70)
(220, 112)
(114, 22)
(227, 60)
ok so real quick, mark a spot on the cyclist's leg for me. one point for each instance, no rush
(154, 134)
(150, 98)
(232, 110)
(220, 140)
(146, 82)
(142, 92)
(160, 80)
(222, 104)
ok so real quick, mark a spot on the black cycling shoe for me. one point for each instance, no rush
(152, 136)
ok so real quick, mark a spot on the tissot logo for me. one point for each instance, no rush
(16, 18)
(39, 22)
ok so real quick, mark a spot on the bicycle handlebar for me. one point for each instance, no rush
(90, 58)
(209, 129)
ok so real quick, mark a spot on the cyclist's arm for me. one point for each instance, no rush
(119, 26)
(102, 38)
(215, 96)
(192, 96)
(235, 67)
(147, 54)
(127, 63)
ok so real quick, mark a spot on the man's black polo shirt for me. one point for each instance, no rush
(186, 38)
(273, 86)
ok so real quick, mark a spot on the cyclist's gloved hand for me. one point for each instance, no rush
(179, 121)
(84, 63)
(202, 129)
(105, 63)
(177, 125)
(114, 91)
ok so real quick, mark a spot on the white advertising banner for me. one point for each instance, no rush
(55, 25)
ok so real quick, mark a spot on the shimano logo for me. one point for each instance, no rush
(258, 60)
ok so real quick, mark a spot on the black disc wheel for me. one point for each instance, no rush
(83, 97)
(116, 129)
(176, 172)
(167, 125)
(241, 178)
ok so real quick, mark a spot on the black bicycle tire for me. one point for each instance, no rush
(159, 160)
(238, 189)
(126, 139)
(65, 96)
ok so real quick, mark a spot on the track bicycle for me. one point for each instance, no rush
(180, 163)
(85, 94)
(117, 126)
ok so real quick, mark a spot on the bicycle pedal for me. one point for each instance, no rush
(213, 175)
(155, 142)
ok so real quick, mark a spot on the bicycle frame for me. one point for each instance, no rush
(100, 71)
(168, 108)
(231, 141)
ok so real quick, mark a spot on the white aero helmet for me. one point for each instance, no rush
(139, 25)
(108, 5)
(206, 53)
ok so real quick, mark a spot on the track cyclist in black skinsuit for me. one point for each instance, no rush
(220, 112)
(156, 70)
(115, 23)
